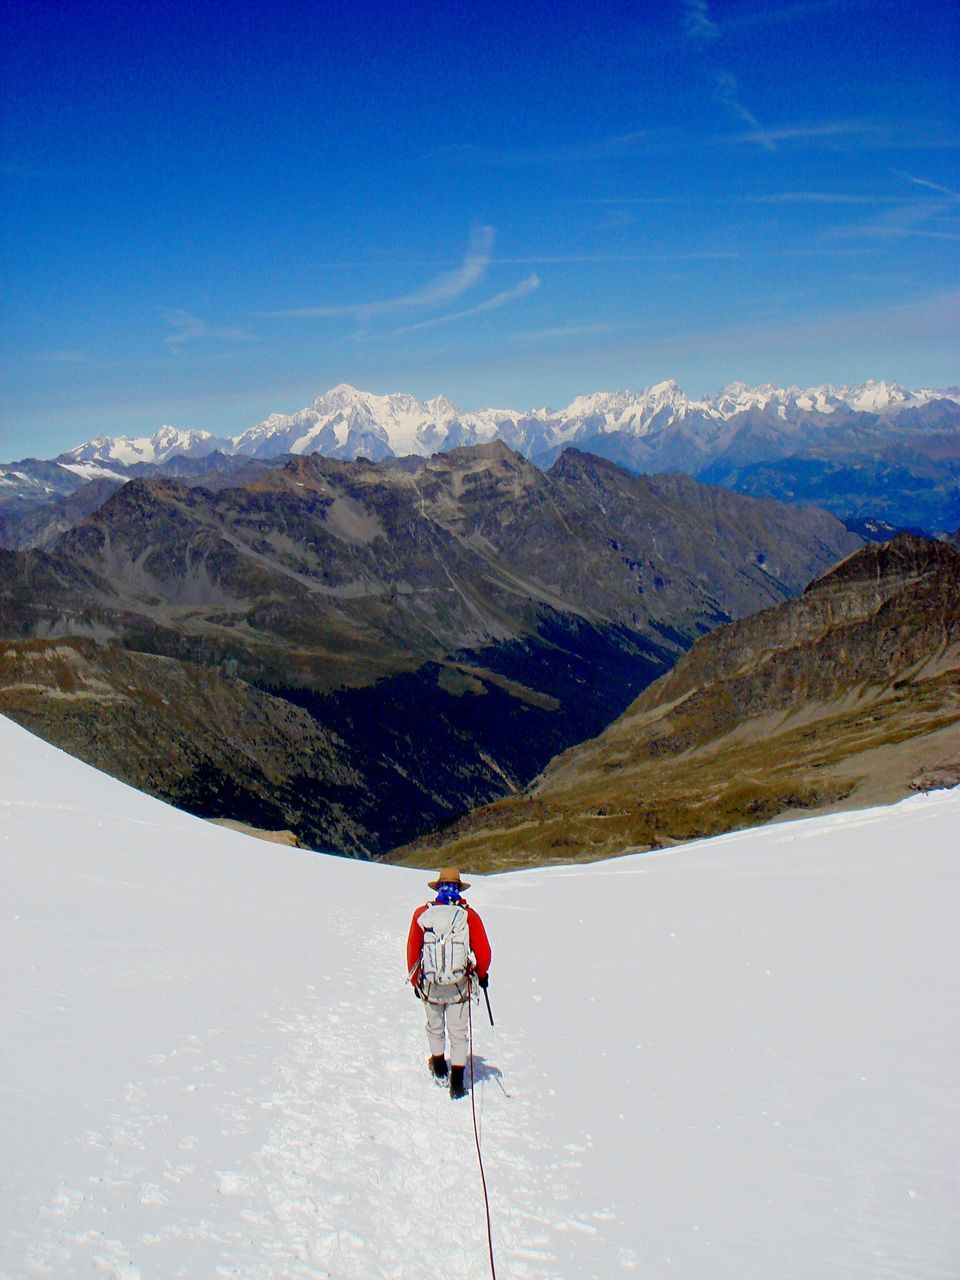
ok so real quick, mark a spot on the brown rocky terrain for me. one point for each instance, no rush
(847, 696)
(180, 731)
(438, 629)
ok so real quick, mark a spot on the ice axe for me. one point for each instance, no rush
(486, 996)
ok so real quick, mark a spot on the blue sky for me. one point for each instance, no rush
(215, 211)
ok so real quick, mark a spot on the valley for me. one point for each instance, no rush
(844, 697)
(380, 647)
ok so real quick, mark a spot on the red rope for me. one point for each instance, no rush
(476, 1136)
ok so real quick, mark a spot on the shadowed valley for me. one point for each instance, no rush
(845, 697)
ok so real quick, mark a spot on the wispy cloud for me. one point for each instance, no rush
(905, 227)
(802, 132)
(763, 14)
(566, 259)
(697, 23)
(815, 252)
(866, 134)
(442, 289)
(924, 218)
(563, 332)
(190, 328)
(700, 29)
(773, 197)
(839, 334)
(925, 182)
(728, 95)
(490, 304)
(67, 355)
(652, 200)
(611, 148)
(819, 197)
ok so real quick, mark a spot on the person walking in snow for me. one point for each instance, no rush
(446, 948)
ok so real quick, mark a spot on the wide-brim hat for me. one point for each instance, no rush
(447, 875)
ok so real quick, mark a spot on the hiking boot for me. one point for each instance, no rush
(438, 1066)
(457, 1087)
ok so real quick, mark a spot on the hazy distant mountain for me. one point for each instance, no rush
(34, 480)
(41, 500)
(40, 523)
(163, 444)
(845, 697)
(446, 627)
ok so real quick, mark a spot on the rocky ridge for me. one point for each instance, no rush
(844, 697)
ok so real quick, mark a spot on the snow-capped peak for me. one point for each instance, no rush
(442, 407)
(869, 397)
(615, 405)
(879, 397)
(163, 444)
(346, 422)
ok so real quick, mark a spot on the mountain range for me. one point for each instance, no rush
(870, 452)
(844, 697)
(358, 652)
(347, 423)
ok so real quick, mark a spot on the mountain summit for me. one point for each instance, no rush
(347, 423)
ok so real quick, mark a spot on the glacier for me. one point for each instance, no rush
(734, 1059)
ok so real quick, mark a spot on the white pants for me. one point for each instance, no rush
(447, 1006)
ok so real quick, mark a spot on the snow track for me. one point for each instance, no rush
(734, 1061)
(314, 1120)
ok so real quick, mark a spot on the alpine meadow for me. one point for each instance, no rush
(480, 641)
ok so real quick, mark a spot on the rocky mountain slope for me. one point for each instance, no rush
(846, 696)
(447, 625)
(40, 500)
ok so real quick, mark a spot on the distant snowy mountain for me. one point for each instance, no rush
(166, 443)
(347, 423)
(876, 450)
(212, 1064)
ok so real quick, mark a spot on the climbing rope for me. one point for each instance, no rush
(476, 1136)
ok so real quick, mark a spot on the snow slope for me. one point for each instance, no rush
(731, 1061)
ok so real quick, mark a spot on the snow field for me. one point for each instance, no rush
(734, 1060)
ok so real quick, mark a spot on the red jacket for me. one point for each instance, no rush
(478, 943)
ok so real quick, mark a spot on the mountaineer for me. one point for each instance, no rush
(446, 948)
